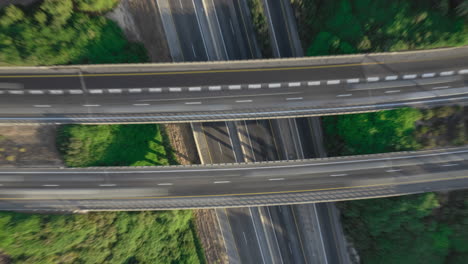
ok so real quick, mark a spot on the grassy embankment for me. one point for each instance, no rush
(72, 32)
(360, 26)
(426, 228)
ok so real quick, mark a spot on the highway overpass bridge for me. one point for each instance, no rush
(230, 185)
(255, 89)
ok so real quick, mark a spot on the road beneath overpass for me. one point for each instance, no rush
(232, 90)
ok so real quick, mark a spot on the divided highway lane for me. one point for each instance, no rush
(236, 179)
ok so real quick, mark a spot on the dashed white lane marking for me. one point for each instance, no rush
(141, 104)
(155, 90)
(274, 85)
(344, 95)
(165, 184)
(135, 90)
(449, 165)
(338, 175)
(243, 101)
(352, 80)
(216, 182)
(294, 98)
(428, 75)
(254, 86)
(16, 92)
(391, 78)
(95, 91)
(395, 170)
(175, 89)
(409, 76)
(464, 71)
(447, 73)
(234, 87)
(107, 185)
(440, 87)
(192, 103)
(42, 105)
(214, 88)
(194, 89)
(75, 91)
(393, 91)
(56, 91)
(313, 83)
(373, 79)
(36, 92)
(50, 185)
(115, 90)
(91, 105)
(294, 84)
(333, 82)
(276, 179)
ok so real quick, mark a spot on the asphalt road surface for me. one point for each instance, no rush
(226, 94)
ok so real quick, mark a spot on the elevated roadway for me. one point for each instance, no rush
(225, 185)
(213, 91)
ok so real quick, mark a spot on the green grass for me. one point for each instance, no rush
(260, 25)
(114, 145)
(114, 238)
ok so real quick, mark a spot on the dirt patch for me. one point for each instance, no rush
(141, 21)
(28, 146)
(210, 236)
(181, 139)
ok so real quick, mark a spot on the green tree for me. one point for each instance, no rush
(98, 6)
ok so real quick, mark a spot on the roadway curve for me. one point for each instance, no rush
(241, 184)
(181, 92)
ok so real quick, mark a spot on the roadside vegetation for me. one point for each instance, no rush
(425, 228)
(396, 130)
(114, 145)
(52, 32)
(260, 24)
(360, 26)
(111, 237)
